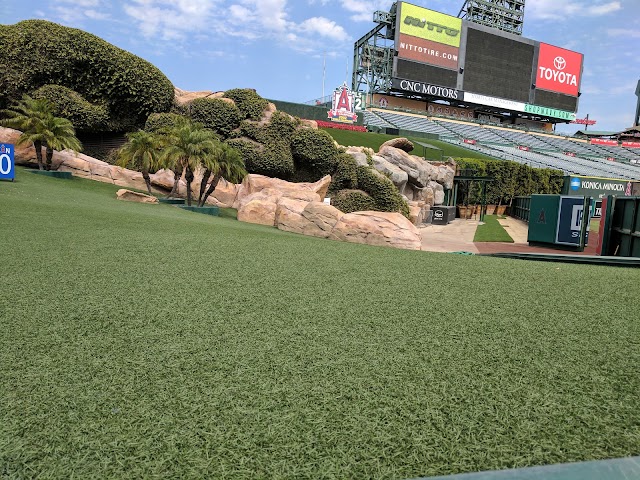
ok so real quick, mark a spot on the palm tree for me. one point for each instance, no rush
(228, 165)
(28, 115)
(141, 152)
(58, 134)
(188, 146)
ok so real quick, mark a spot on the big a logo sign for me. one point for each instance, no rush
(559, 70)
(343, 105)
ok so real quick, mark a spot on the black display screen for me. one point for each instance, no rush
(556, 100)
(421, 72)
(498, 66)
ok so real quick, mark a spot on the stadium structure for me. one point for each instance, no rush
(475, 81)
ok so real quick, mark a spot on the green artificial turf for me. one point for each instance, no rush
(374, 140)
(144, 341)
(491, 231)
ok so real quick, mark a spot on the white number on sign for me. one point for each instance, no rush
(5, 164)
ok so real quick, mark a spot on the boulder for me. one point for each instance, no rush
(322, 218)
(260, 207)
(182, 96)
(401, 143)
(312, 124)
(396, 174)
(446, 172)
(130, 196)
(360, 158)
(289, 215)
(438, 193)
(225, 193)
(418, 170)
(426, 195)
(163, 179)
(309, 191)
(377, 228)
(418, 212)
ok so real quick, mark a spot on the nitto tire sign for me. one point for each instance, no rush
(559, 70)
(7, 165)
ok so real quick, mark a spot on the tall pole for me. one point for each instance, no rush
(586, 126)
(324, 72)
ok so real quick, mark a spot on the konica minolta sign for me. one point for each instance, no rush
(597, 187)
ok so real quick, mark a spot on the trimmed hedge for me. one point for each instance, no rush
(42, 53)
(250, 104)
(315, 151)
(69, 104)
(385, 195)
(349, 201)
(216, 114)
(160, 121)
(273, 159)
(345, 175)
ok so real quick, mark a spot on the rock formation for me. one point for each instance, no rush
(130, 196)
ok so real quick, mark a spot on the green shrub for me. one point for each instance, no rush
(43, 53)
(348, 201)
(216, 114)
(385, 195)
(346, 175)
(281, 127)
(159, 121)
(250, 104)
(314, 150)
(69, 104)
(273, 159)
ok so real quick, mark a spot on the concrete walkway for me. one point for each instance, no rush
(455, 237)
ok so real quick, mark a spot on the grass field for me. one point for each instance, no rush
(374, 140)
(491, 231)
(146, 341)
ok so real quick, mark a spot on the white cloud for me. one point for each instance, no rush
(561, 10)
(324, 27)
(362, 10)
(623, 32)
(81, 3)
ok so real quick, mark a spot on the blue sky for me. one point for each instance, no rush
(277, 46)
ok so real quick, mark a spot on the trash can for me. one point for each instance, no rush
(443, 215)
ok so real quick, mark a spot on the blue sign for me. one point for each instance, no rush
(570, 221)
(7, 166)
(575, 184)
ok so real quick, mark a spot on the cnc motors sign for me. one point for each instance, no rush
(422, 88)
(343, 106)
(430, 25)
(559, 70)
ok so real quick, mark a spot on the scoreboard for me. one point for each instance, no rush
(472, 63)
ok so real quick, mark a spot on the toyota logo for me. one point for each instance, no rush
(560, 63)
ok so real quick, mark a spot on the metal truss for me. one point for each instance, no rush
(506, 15)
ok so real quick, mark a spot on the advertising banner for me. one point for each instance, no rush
(524, 148)
(470, 141)
(448, 111)
(604, 141)
(597, 187)
(7, 164)
(427, 51)
(584, 121)
(559, 70)
(430, 25)
(570, 221)
(494, 102)
(425, 89)
(631, 144)
(549, 112)
(570, 154)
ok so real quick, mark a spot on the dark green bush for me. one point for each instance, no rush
(385, 195)
(346, 175)
(68, 104)
(273, 159)
(348, 201)
(250, 104)
(216, 114)
(160, 121)
(314, 150)
(281, 127)
(42, 53)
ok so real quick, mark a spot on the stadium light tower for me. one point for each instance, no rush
(637, 121)
(506, 15)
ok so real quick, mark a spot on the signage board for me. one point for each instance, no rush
(524, 148)
(570, 221)
(570, 154)
(549, 112)
(343, 105)
(597, 187)
(559, 70)
(449, 111)
(425, 89)
(494, 102)
(427, 51)
(604, 141)
(584, 121)
(430, 25)
(631, 144)
(7, 162)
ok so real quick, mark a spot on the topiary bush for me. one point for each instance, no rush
(349, 201)
(250, 104)
(216, 114)
(66, 103)
(273, 159)
(314, 151)
(346, 175)
(44, 53)
(385, 195)
(161, 121)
